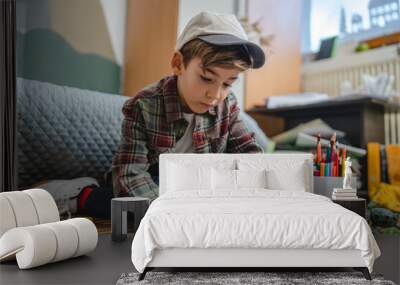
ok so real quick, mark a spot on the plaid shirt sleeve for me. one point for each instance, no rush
(130, 164)
(240, 140)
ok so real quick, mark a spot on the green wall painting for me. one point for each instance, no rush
(45, 55)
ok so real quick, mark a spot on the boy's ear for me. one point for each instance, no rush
(177, 63)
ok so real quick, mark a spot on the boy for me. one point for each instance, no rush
(192, 111)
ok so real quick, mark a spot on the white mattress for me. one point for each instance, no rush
(252, 218)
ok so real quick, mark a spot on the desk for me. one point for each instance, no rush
(362, 119)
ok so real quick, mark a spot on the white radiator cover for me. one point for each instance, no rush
(326, 75)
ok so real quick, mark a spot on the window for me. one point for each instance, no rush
(350, 19)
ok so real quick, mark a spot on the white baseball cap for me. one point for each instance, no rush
(220, 30)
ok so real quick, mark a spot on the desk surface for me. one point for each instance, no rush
(360, 117)
(102, 266)
(332, 103)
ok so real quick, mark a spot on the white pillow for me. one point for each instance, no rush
(188, 177)
(282, 174)
(226, 179)
(251, 179)
(223, 179)
(293, 180)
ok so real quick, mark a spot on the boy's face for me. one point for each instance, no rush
(200, 89)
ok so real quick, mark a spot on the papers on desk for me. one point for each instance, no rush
(305, 136)
(295, 100)
(313, 128)
(302, 99)
(305, 140)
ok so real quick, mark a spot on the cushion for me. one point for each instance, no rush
(66, 237)
(292, 181)
(170, 175)
(23, 208)
(188, 177)
(223, 179)
(251, 179)
(281, 174)
(45, 206)
(7, 216)
(40, 244)
(27, 208)
(227, 179)
(297, 167)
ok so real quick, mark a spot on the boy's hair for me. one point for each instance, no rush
(211, 55)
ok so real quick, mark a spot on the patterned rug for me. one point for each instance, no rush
(243, 278)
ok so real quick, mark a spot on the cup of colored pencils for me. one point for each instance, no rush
(331, 160)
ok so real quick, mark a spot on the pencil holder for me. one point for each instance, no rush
(323, 185)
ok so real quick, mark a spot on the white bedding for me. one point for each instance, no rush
(251, 218)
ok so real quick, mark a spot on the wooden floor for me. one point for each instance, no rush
(111, 259)
(389, 263)
(103, 266)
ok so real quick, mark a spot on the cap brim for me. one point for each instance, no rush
(255, 51)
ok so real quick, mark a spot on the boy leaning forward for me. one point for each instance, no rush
(192, 111)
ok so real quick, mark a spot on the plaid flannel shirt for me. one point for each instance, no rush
(153, 122)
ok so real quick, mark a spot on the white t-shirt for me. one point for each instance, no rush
(185, 143)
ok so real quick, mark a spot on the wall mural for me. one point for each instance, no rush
(69, 60)
(69, 43)
(44, 55)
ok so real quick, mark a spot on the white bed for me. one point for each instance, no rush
(248, 226)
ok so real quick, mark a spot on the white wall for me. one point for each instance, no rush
(115, 14)
(189, 8)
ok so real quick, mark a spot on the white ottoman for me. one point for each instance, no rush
(31, 231)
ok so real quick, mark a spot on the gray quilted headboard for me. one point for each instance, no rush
(65, 132)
